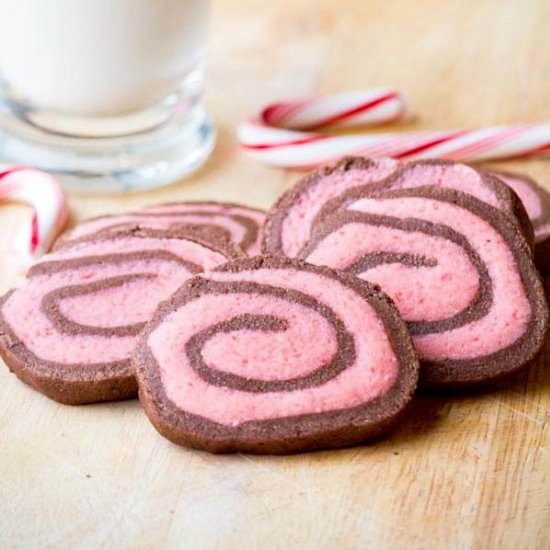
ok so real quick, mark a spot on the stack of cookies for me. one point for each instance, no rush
(307, 328)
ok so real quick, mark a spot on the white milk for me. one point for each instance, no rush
(99, 57)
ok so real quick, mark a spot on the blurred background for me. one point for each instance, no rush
(460, 63)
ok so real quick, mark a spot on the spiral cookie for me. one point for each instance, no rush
(239, 223)
(443, 174)
(536, 200)
(70, 329)
(271, 355)
(459, 271)
(288, 224)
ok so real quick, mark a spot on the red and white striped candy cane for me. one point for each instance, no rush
(344, 110)
(274, 140)
(44, 194)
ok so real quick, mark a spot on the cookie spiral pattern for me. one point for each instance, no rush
(288, 224)
(237, 223)
(459, 271)
(441, 174)
(274, 355)
(70, 329)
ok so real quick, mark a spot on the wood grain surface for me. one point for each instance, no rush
(469, 471)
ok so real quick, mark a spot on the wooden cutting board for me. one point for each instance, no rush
(470, 471)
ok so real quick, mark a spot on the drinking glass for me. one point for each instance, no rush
(106, 93)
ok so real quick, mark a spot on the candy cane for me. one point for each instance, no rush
(274, 140)
(42, 192)
(343, 110)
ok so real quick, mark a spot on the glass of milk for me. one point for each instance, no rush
(107, 93)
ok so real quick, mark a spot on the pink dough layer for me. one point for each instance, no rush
(296, 226)
(510, 312)
(185, 249)
(372, 373)
(278, 355)
(526, 193)
(420, 293)
(451, 176)
(132, 303)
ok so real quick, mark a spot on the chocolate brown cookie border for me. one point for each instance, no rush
(284, 435)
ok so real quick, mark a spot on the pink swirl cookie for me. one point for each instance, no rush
(442, 174)
(288, 224)
(459, 271)
(271, 355)
(536, 200)
(70, 329)
(236, 222)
